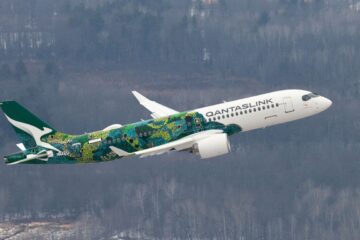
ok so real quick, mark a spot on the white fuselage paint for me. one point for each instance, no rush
(280, 107)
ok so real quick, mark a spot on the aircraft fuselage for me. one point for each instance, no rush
(229, 117)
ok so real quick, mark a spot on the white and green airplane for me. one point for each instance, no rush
(202, 131)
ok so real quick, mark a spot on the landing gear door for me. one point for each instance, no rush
(288, 105)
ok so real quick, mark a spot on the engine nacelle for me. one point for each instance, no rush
(212, 146)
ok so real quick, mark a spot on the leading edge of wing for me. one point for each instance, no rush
(157, 110)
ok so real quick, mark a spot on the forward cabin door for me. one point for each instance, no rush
(288, 105)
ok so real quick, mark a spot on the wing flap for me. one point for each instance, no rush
(178, 145)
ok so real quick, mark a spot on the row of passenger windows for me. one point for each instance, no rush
(243, 112)
(117, 140)
(146, 133)
(123, 138)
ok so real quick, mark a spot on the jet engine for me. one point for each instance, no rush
(212, 146)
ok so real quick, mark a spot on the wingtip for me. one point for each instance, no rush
(135, 93)
(138, 96)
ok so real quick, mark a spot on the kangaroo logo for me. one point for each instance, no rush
(35, 132)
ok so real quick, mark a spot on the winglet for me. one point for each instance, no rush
(139, 97)
(156, 109)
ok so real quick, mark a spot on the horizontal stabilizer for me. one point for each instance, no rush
(27, 155)
(21, 146)
(29, 158)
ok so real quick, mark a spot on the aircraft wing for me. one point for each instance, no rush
(178, 145)
(157, 110)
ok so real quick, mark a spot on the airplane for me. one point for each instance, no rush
(204, 131)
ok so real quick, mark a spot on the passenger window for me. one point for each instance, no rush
(259, 108)
(249, 110)
(232, 114)
(223, 116)
(264, 108)
(272, 105)
(268, 107)
(241, 113)
(245, 111)
(218, 117)
(227, 115)
(236, 113)
(254, 109)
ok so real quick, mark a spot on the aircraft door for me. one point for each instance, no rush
(189, 124)
(288, 105)
(75, 149)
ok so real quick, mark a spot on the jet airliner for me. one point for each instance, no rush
(203, 131)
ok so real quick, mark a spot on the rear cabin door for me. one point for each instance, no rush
(288, 105)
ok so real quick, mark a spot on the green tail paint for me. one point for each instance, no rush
(27, 126)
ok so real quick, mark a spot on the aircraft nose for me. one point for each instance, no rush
(326, 103)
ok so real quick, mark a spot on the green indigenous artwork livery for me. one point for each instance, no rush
(38, 137)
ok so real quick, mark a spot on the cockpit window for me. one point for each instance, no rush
(308, 96)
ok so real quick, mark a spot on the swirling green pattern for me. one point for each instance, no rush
(95, 146)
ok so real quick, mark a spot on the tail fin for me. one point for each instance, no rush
(27, 126)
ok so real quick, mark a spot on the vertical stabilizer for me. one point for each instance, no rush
(29, 128)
